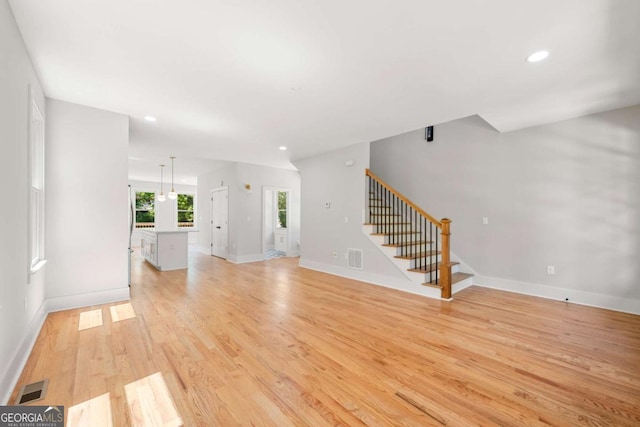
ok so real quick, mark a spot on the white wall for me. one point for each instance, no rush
(250, 219)
(21, 303)
(325, 178)
(245, 209)
(87, 205)
(166, 213)
(565, 194)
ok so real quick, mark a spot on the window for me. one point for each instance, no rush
(185, 210)
(145, 209)
(281, 217)
(36, 183)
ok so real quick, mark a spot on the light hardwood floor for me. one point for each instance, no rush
(270, 343)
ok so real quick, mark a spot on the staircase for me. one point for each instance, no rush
(416, 242)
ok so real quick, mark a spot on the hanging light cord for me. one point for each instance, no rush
(172, 194)
(161, 178)
(172, 174)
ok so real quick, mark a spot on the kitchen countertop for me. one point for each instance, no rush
(177, 230)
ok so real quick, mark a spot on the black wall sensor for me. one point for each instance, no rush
(428, 133)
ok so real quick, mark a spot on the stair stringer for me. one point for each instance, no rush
(463, 267)
(415, 279)
(418, 279)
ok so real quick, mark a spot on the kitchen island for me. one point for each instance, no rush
(165, 250)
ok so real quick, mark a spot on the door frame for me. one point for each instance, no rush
(215, 190)
(266, 188)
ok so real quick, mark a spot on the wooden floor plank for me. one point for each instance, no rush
(95, 412)
(90, 319)
(269, 343)
(121, 312)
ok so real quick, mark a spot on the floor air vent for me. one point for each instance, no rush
(354, 257)
(32, 392)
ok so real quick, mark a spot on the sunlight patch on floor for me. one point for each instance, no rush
(95, 412)
(150, 402)
(90, 319)
(122, 312)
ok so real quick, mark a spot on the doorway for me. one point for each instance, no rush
(275, 221)
(219, 222)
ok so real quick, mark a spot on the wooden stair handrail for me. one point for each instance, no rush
(400, 196)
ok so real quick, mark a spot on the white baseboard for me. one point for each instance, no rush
(17, 363)
(204, 249)
(242, 259)
(13, 371)
(86, 300)
(372, 278)
(626, 305)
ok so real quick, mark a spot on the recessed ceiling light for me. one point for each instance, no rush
(282, 148)
(538, 56)
(150, 118)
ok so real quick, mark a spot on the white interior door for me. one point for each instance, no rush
(219, 221)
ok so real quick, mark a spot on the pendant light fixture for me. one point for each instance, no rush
(172, 194)
(161, 196)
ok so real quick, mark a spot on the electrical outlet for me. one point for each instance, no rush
(346, 219)
(485, 220)
(551, 270)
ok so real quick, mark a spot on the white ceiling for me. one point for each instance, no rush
(233, 80)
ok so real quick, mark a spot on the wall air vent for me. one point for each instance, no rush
(354, 258)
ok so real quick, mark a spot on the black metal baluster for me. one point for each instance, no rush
(423, 231)
(430, 253)
(386, 203)
(436, 248)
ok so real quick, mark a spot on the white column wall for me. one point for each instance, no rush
(87, 204)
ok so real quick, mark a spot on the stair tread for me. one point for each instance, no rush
(430, 267)
(418, 255)
(455, 278)
(401, 244)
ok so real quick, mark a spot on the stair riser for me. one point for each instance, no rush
(403, 238)
(436, 273)
(380, 210)
(414, 249)
(392, 228)
(426, 261)
(377, 219)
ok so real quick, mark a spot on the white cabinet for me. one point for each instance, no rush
(165, 250)
(148, 244)
(280, 237)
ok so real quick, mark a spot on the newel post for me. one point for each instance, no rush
(445, 263)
